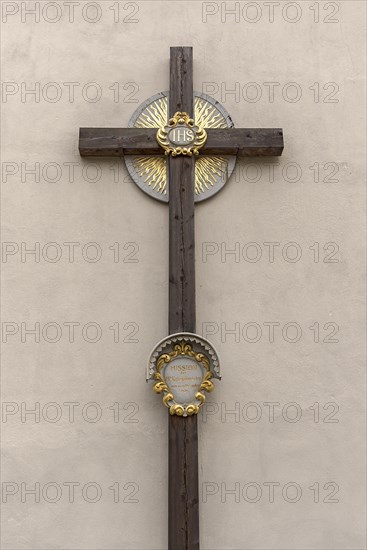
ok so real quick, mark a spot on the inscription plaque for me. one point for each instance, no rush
(182, 367)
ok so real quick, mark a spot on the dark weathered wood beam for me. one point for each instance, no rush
(244, 142)
(181, 203)
(117, 142)
(183, 492)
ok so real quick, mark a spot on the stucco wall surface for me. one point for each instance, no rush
(280, 279)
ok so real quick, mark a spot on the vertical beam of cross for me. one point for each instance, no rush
(183, 492)
(183, 502)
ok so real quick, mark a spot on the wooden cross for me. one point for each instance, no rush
(183, 501)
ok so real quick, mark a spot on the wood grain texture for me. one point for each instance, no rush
(181, 245)
(181, 96)
(183, 493)
(244, 142)
(183, 513)
(117, 142)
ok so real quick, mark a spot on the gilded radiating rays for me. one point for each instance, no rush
(208, 170)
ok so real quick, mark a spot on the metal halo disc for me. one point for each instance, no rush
(150, 172)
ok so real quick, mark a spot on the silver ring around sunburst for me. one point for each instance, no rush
(150, 172)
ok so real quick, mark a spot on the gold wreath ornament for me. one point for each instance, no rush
(181, 136)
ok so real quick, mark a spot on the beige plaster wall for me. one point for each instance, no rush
(285, 469)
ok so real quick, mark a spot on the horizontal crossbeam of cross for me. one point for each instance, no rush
(117, 142)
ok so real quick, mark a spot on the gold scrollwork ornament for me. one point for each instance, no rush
(181, 136)
(185, 349)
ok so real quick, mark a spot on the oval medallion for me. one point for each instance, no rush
(182, 367)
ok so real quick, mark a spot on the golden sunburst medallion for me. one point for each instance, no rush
(211, 172)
